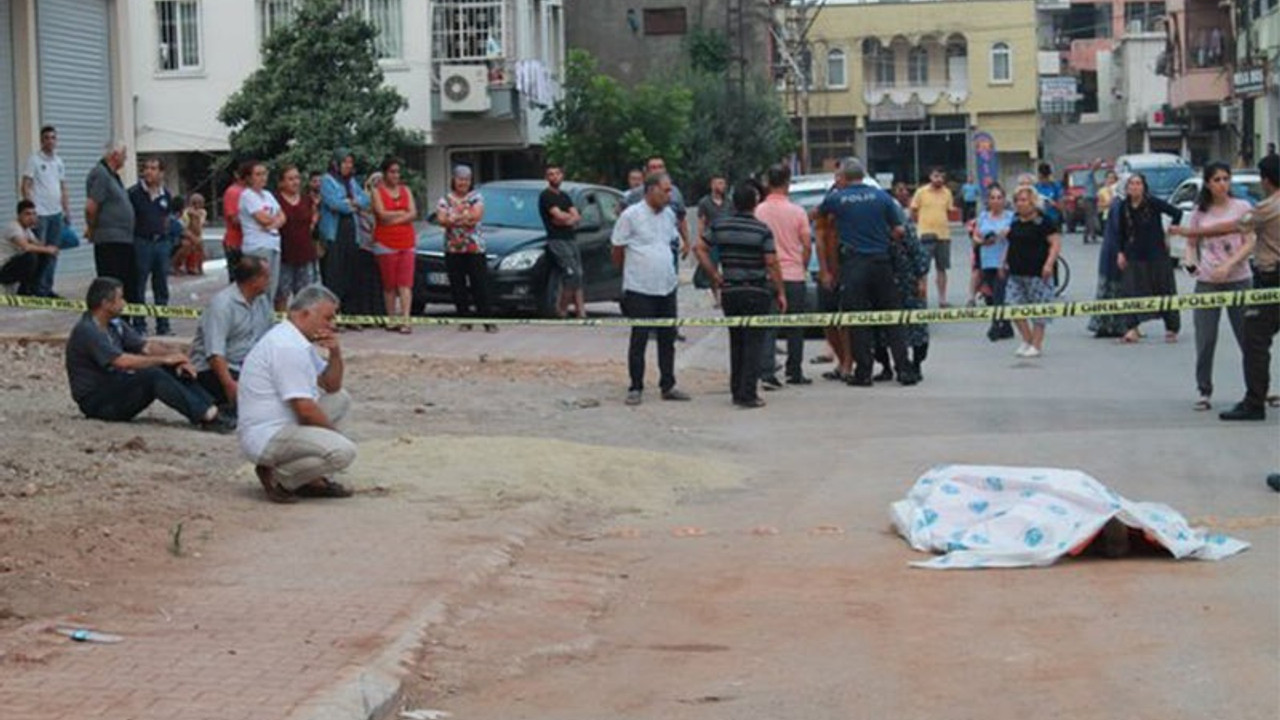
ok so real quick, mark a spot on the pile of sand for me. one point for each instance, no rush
(521, 469)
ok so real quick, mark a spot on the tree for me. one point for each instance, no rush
(319, 88)
(599, 130)
(736, 133)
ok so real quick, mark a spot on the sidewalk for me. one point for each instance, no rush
(310, 618)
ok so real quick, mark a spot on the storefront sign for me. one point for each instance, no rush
(986, 164)
(1058, 93)
(893, 112)
(1249, 81)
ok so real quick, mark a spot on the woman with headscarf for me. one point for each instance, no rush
(341, 200)
(1143, 255)
(1110, 278)
(460, 212)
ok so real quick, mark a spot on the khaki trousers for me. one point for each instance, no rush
(300, 455)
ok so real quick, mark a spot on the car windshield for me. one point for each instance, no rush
(1251, 191)
(512, 207)
(1162, 181)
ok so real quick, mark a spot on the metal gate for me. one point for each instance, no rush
(9, 151)
(73, 48)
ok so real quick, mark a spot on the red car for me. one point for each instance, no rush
(1073, 182)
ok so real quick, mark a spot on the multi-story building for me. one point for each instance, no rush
(476, 73)
(1201, 55)
(906, 84)
(1256, 77)
(638, 40)
(61, 64)
(1141, 92)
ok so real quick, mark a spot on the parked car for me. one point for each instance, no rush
(1075, 178)
(1244, 185)
(1163, 171)
(515, 246)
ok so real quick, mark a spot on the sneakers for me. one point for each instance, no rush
(1243, 412)
(1027, 350)
(221, 425)
(633, 397)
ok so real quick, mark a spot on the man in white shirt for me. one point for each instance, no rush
(44, 182)
(642, 240)
(21, 254)
(290, 400)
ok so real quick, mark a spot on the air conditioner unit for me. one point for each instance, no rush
(1229, 114)
(464, 88)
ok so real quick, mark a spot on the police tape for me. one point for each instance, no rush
(1119, 306)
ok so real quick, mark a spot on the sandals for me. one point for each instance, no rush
(1130, 338)
(325, 489)
(1202, 404)
(276, 492)
(405, 330)
(1171, 337)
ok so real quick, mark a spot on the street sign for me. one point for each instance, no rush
(1249, 81)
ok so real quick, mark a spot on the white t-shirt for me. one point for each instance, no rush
(283, 366)
(47, 174)
(649, 268)
(9, 244)
(256, 237)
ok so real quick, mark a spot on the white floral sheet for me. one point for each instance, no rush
(989, 516)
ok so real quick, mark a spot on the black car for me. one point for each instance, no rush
(515, 245)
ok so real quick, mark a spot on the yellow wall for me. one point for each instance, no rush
(981, 22)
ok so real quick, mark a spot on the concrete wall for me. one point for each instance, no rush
(601, 27)
(1143, 90)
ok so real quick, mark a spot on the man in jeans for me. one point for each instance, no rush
(115, 374)
(152, 242)
(22, 257)
(290, 400)
(44, 182)
(751, 284)
(642, 241)
(790, 227)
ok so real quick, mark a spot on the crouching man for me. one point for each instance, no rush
(290, 400)
(116, 374)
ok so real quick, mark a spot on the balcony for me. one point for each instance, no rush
(1200, 86)
(901, 74)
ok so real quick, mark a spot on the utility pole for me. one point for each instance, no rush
(791, 27)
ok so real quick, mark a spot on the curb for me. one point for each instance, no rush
(373, 691)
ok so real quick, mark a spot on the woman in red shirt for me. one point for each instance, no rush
(297, 248)
(394, 240)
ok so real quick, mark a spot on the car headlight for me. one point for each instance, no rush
(520, 260)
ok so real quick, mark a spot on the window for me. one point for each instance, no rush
(469, 30)
(886, 72)
(1001, 63)
(1143, 16)
(918, 66)
(665, 21)
(836, 76)
(178, 22)
(384, 15)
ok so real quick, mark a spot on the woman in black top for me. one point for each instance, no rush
(1034, 244)
(1144, 254)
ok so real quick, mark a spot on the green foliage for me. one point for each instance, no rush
(698, 121)
(709, 50)
(599, 129)
(319, 88)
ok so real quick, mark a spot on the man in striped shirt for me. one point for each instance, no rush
(750, 280)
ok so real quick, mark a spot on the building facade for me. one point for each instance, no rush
(1256, 77)
(62, 63)
(905, 85)
(476, 74)
(638, 40)
(1201, 55)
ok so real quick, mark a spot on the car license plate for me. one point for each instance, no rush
(437, 278)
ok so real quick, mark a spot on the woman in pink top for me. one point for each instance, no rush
(1220, 264)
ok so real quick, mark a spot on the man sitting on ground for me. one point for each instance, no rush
(22, 256)
(116, 374)
(290, 399)
(236, 319)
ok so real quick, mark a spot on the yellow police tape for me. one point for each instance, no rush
(1124, 306)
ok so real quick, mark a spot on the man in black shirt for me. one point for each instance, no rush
(115, 374)
(560, 217)
(750, 280)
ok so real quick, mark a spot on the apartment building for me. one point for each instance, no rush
(906, 85)
(62, 63)
(477, 75)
